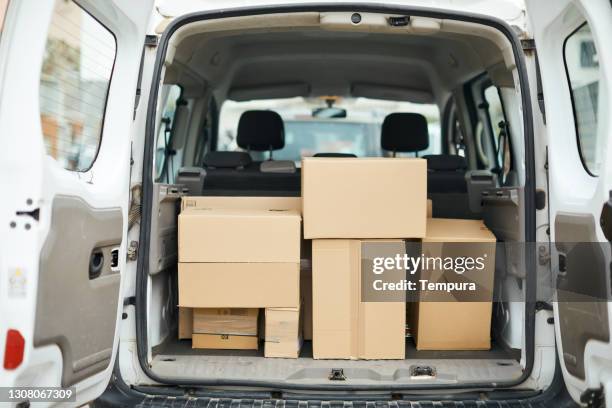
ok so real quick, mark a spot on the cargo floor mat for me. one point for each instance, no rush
(176, 359)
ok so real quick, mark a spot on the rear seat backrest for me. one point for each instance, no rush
(239, 176)
(227, 160)
(405, 133)
(224, 172)
(446, 173)
(447, 186)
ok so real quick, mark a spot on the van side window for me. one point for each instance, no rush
(582, 67)
(76, 73)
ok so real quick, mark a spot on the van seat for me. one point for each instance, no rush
(447, 186)
(227, 160)
(258, 130)
(446, 173)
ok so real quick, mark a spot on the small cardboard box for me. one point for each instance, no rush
(248, 285)
(456, 321)
(245, 203)
(344, 327)
(224, 341)
(185, 322)
(364, 197)
(283, 334)
(236, 321)
(306, 293)
(239, 235)
(429, 208)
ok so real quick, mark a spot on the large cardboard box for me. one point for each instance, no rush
(364, 197)
(239, 235)
(185, 322)
(235, 321)
(245, 203)
(248, 285)
(224, 341)
(344, 327)
(283, 334)
(458, 320)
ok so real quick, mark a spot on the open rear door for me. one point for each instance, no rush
(68, 77)
(572, 41)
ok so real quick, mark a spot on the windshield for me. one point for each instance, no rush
(358, 133)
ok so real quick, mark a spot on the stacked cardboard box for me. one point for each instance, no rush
(227, 328)
(460, 320)
(349, 204)
(238, 253)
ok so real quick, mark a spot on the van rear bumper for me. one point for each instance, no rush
(119, 394)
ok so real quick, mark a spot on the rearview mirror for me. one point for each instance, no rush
(329, 113)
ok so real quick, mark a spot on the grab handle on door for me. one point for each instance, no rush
(96, 262)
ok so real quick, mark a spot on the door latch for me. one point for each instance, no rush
(132, 251)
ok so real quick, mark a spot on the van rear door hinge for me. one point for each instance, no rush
(528, 44)
(151, 41)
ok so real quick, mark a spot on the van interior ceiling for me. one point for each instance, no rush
(450, 66)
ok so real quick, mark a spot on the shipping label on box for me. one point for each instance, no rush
(364, 197)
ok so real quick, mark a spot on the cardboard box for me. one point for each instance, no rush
(245, 203)
(235, 321)
(364, 197)
(224, 341)
(344, 327)
(250, 285)
(239, 235)
(429, 208)
(283, 334)
(185, 322)
(456, 322)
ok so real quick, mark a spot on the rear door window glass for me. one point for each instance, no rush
(74, 82)
(583, 74)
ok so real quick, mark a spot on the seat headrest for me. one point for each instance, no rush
(224, 160)
(445, 162)
(335, 155)
(404, 132)
(261, 130)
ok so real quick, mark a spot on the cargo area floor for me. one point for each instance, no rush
(176, 359)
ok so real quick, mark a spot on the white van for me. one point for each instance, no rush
(109, 110)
